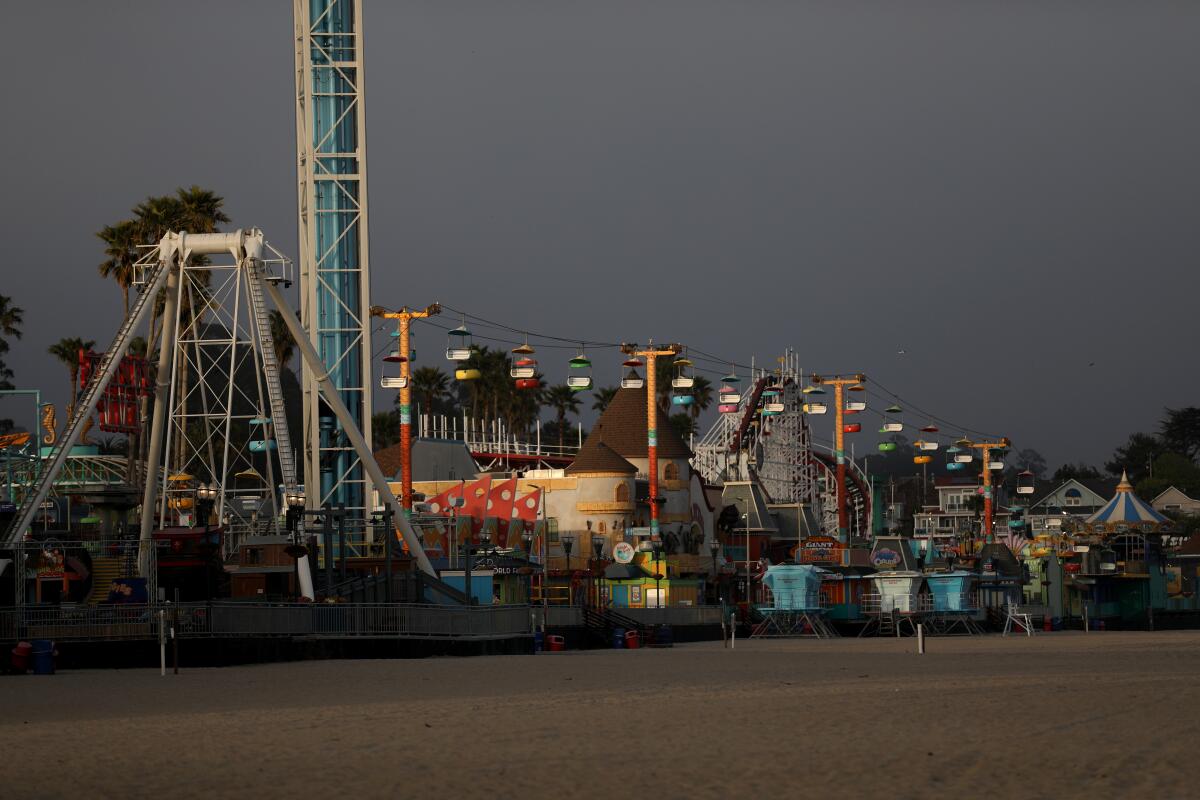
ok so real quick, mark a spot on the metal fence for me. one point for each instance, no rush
(572, 616)
(259, 620)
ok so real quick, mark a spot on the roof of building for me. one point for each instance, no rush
(433, 460)
(596, 456)
(623, 425)
(1101, 487)
(1127, 507)
(1173, 490)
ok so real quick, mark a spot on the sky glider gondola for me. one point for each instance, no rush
(458, 343)
(851, 427)
(1025, 482)
(579, 373)
(815, 408)
(887, 447)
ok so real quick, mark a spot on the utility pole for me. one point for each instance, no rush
(839, 450)
(986, 449)
(651, 354)
(404, 318)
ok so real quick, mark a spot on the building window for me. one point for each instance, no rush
(601, 529)
(1073, 497)
(671, 471)
(622, 493)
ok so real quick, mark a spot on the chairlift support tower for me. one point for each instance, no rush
(333, 264)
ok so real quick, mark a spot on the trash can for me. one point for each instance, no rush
(21, 657)
(632, 640)
(538, 643)
(43, 657)
(618, 638)
(556, 644)
(663, 636)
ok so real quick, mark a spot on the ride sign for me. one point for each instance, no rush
(819, 550)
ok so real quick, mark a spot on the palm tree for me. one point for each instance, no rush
(604, 396)
(282, 341)
(702, 395)
(431, 385)
(683, 423)
(11, 318)
(563, 401)
(120, 251)
(67, 351)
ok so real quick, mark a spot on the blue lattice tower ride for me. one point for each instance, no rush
(334, 272)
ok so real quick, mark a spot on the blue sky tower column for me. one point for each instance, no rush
(334, 274)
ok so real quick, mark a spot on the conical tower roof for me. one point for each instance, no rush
(1126, 508)
(623, 428)
(596, 456)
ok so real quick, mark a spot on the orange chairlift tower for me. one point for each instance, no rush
(651, 354)
(986, 449)
(404, 318)
(840, 385)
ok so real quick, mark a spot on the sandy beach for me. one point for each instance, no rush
(1062, 715)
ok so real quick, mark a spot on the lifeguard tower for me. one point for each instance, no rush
(795, 607)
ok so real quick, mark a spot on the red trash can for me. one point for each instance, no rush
(20, 657)
(556, 644)
(632, 640)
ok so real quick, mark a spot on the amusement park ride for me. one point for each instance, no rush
(218, 411)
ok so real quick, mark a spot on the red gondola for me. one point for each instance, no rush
(851, 427)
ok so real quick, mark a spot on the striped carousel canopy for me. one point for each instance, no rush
(1126, 508)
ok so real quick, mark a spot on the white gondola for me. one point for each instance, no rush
(458, 343)
(995, 465)
(892, 427)
(728, 394)
(815, 408)
(683, 378)
(964, 458)
(632, 380)
(773, 408)
(523, 368)
(923, 445)
(390, 382)
(854, 406)
(579, 373)
(1025, 482)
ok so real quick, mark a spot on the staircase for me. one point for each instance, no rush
(105, 570)
(270, 367)
(86, 404)
(601, 622)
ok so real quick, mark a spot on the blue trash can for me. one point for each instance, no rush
(664, 636)
(618, 638)
(538, 641)
(43, 657)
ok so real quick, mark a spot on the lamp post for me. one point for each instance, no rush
(746, 529)
(567, 543)
(527, 540)
(295, 510)
(545, 555)
(598, 550)
(205, 495)
(715, 548)
(657, 548)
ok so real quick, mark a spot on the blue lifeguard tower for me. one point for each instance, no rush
(955, 602)
(795, 608)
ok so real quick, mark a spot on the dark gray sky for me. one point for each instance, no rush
(1006, 191)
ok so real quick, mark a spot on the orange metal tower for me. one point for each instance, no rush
(404, 318)
(986, 449)
(839, 445)
(651, 354)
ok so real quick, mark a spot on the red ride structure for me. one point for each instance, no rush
(119, 409)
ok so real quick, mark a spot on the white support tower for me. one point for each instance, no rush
(334, 272)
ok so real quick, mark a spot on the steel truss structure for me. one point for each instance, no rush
(334, 269)
(226, 413)
(173, 268)
(778, 451)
